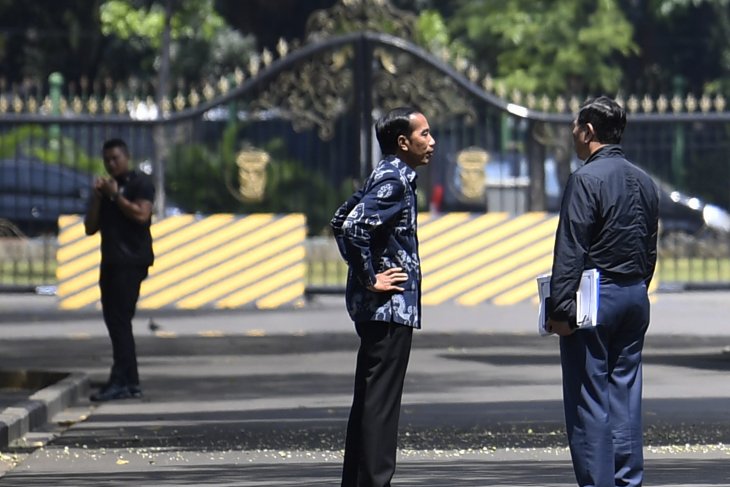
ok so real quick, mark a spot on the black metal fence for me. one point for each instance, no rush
(689, 156)
(296, 136)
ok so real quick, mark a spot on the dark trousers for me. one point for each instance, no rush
(372, 430)
(602, 383)
(119, 293)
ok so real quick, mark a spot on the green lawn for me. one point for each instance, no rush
(693, 270)
(327, 274)
(682, 270)
(27, 272)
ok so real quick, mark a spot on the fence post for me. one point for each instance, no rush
(678, 163)
(55, 84)
(364, 105)
(536, 161)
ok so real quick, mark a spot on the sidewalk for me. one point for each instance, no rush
(695, 314)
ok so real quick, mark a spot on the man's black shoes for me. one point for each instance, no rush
(113, 392)
(135, 392)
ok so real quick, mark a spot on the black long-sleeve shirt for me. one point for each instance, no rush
(123, 241)
(608, 221)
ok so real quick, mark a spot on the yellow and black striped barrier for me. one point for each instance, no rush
(220, 261)
(469, 258)
(227, 261)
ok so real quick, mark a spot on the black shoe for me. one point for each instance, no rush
(135, 392)
(112, 392)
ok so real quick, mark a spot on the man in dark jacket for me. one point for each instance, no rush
(376, 233)
(608, 221)
(121, 208)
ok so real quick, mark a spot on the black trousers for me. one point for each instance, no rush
(119, 294)
(372, 430)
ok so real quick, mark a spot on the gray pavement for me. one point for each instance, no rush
(261, 399)
(692, 313)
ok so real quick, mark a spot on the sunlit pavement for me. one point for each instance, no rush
(261, 399)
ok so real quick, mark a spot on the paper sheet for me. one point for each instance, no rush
(586, 300)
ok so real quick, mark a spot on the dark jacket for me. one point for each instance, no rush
(376, 230)
(608, 221)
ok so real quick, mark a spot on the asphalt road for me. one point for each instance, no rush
(261, 399)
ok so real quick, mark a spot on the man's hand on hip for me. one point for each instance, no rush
(386, 281)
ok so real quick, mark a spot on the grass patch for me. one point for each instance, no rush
(695, 270)
(27, 272)
(674, 270)
(327, 274)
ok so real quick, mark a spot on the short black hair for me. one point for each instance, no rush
(607, 117)
(392, 125)
(113, 144)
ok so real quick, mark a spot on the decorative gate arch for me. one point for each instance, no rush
(330, 92)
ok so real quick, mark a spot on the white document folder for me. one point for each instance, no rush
(586, 300)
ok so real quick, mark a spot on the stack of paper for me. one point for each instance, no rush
(586, 300)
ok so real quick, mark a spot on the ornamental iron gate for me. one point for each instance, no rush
(294, 135)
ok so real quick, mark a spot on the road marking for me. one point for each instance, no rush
(165, 334)
(80, 336)
(211, 333)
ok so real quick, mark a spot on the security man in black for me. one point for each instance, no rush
(608, 221)
(121, 208)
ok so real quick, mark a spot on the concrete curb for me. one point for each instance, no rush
(19, 419)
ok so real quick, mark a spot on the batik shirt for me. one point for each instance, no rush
(376, 230)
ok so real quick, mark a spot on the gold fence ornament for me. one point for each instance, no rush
(471, 163)
(252, 173)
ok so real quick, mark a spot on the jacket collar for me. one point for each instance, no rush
(402, 167)
(607, 151)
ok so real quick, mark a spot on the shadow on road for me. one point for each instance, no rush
(716, 361)
(528, 424)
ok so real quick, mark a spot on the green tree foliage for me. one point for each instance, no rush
(38, 38)
(434, 35)
(547, 46)
(685, 46)
(39, 142)
(270, 20)
(128, 19)
(116, 39)
(202, 41)
(553, 46)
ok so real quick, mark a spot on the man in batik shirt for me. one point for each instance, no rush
(376, 234)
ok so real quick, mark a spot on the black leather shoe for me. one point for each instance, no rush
(112, 392)
(135, 392)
